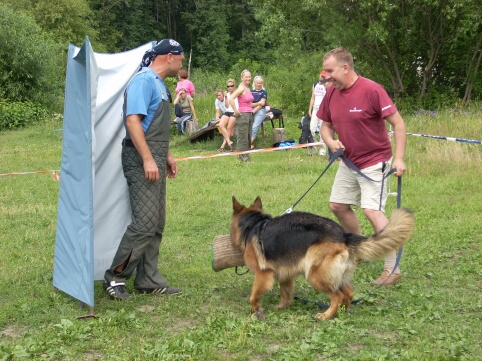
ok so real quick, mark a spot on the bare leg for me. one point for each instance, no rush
(376, 218)
(379, 221)
(230, 128)
(223, 123)
(347, 217)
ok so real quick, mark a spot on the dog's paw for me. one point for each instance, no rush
(323, 316)
(260, 314)
(283, 305)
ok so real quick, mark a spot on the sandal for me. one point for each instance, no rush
(220, 150)
(231, 149)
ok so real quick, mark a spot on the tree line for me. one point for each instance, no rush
(426, 53)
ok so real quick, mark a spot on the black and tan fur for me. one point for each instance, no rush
(281, 248)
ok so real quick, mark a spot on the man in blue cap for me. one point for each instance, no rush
(146, 162)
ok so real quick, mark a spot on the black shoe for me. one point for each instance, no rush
(116, 290)
(163, 290)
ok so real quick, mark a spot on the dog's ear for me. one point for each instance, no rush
(257, 203)
(237, 207)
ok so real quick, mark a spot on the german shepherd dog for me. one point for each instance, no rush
(281, 248)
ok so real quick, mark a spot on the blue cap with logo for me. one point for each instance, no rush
(165, 46)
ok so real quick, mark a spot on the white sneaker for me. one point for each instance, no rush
(322, 151)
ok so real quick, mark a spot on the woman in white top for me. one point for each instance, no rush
(225, 115)
(318, 91)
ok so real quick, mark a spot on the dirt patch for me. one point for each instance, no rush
(93, 355)
(390, 335)
(12, 332)
(273, 347)
(355, 347)
(145, 308)
(178, 325)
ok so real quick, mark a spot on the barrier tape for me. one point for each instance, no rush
(54, 173)
(207, 156)
(56, 177)
(441, 137)
(262, 150)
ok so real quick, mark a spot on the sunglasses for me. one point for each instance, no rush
(230, 86)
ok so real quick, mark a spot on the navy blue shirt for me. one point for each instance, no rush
(259, 94)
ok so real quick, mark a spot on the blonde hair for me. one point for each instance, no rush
(231, 80)
(244, 72)
(258, 78)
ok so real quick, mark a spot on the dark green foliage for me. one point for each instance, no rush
(425, 53)
(211, 35)
(30, 69)
(18, 114)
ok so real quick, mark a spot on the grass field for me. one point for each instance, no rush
(434, 313)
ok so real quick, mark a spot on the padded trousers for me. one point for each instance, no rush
(142, 239)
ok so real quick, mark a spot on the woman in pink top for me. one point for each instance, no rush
(185, 83)
(243, 111)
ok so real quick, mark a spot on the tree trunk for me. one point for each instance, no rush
(472, 72)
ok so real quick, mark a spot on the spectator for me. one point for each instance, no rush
(260, 97)
(184, 109)
(243, 111)
(358, 108)
(185, 83)
(318, 92)
(225, 115)
(146, 160)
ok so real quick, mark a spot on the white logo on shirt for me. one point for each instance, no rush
(355, 110)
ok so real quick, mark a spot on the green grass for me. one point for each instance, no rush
(434, 313)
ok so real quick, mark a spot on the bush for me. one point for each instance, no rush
(31, 65)
(18, 114)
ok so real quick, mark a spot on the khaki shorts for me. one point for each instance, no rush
(351, 188)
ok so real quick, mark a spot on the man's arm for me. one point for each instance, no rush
(327, 133)
(400, 134)
(312, 101)
(133, 123)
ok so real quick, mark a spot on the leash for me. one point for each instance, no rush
(349, 164)
(397, 262)
(359, 172)
(332, 160)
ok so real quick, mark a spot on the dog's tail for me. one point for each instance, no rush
(392, 237)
